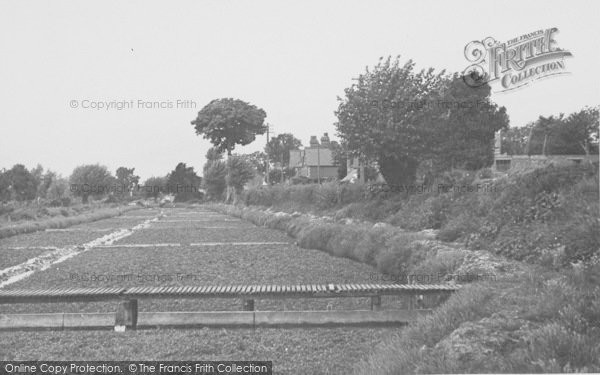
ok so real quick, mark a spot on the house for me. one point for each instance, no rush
(316, 161)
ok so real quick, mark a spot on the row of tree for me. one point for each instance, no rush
(20, 184)
(94, 180)
(555, 135)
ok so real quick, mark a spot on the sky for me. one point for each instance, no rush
(60, 60)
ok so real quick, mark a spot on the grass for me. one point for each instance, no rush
(542, 311)
(548, 216)
(537, 322)
(57, 222)
(292, 351)
(392, 251)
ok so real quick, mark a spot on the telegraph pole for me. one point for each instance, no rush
(267, 178)
(318, 163)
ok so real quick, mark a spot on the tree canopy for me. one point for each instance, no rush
(278, 148)
(555, 135)
(398, 118)
(90, 180)
(229, 122)
(184, 183)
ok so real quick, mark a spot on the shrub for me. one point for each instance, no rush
(214, 178)
(327, 195)
(239, 172)
(444, 262)
(398, 256)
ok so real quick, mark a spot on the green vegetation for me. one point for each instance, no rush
(547, 216)
(400, 118)
(558, 135)
(537, 233)
(37, 219)
(529, 323)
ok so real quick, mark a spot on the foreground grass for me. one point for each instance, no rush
(536, 322)
(293, 351)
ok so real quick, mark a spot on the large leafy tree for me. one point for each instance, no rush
(278, 148)
(380, 119)
(464, 125)
(239, 172)
(58, 189)
(4, 185)
(555, 135)
(127, 179)
(576, 134)
(258, 160)
(515, 140)
(154, 186)
(46, 181)
(90, 180)
(18, 183)
(23, 183)
(214, 178)
(230, 122)
(214, 173)
(184, 183)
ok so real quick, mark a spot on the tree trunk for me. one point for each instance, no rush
(544, 146)
(398, 171)
(230, 193)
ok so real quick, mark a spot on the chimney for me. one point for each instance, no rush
(313, 141)
(325, 140)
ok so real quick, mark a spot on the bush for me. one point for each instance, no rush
(444, 262)
(214, 179)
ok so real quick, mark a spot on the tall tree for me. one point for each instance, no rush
(515, 140)
(90, 180)
(465, 122)
(126, 179)
(380, 118)
(45, 183)
(5, 191)
(59, 189)
(230, 122)
(239, 172)
(23, 183)
(214, 173)
(575, 134)
(184, 183)
(154, 186)
(578, 133)
(279, 147)
(258, 160)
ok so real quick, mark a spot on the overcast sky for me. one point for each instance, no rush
(290, 58)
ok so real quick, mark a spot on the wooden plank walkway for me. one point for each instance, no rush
(127, 314)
